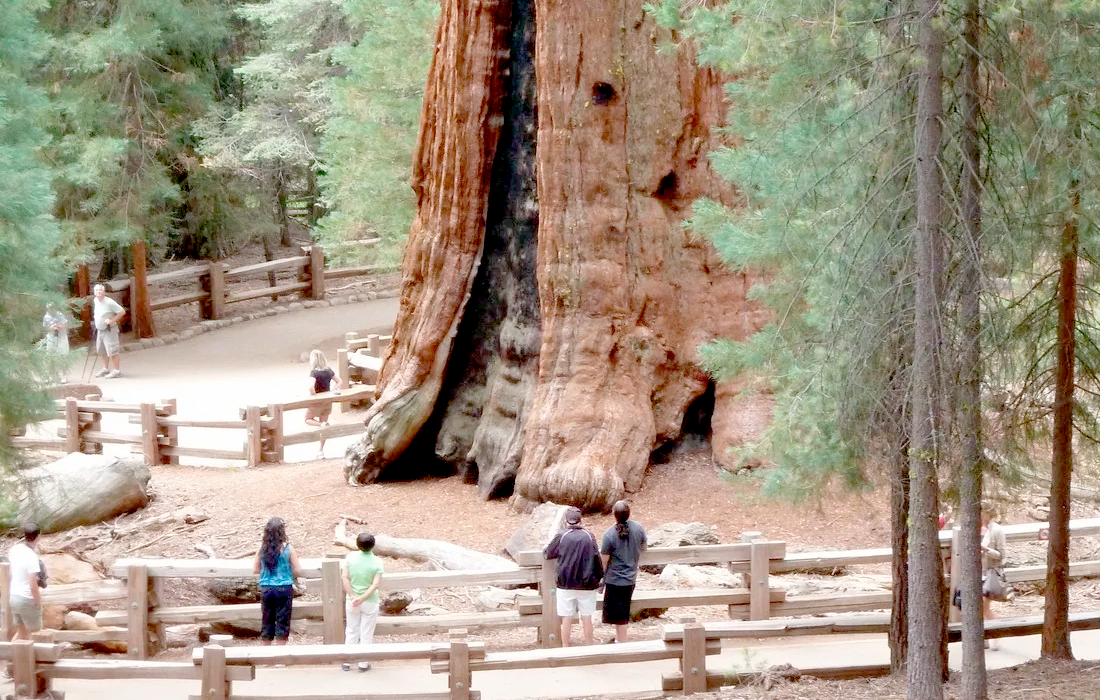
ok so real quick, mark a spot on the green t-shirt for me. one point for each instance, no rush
(362, 568)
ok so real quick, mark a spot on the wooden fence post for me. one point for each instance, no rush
(96, 425)
(72, 425)
(549, 625)
(317, 272)
(759, 595)
(332, 601)
(374, 345)
(693, 664)
(139, 292)
(137, 620)
(171, 432)
(6, 622)
(343, 373)
(254, 446)
(214, 683)
(26, 681)
(459, 676)
(159, 641)
(214, 285)
(275, 413)
(150, 434)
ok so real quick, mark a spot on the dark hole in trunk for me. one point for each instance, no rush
(666, 190)
(603, 94)
(694, 431)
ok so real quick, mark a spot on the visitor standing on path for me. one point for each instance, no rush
(56, 340)
(277, 564)
(107, 314)
(622, 547)
(25, 597)
(323, 379)
(579, 572)
(362, 575)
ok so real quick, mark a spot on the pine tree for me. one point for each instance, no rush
(28, 233)
(371, 133)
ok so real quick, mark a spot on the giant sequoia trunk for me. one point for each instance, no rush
(552, 303)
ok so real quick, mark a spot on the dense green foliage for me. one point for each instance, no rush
(369, 138)
(28, 234)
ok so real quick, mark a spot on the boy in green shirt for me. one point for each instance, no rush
(362, 575)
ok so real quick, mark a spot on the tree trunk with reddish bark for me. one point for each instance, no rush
(552, 302)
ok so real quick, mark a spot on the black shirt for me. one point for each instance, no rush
(322, 379)
(579, 565)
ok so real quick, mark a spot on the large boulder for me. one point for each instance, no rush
(240, 589)
(63, 568)
(81, 489)
(685, 576)
(537, 529)
(395, 602)
(678, 535)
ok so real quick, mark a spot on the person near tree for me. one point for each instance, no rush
(362, 575)
(106, 315)
(25, 597)
(278, 566)
(993, 551)
(579, 574)
(622, 547)
(322, 379)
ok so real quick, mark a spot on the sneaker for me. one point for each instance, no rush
(321, 454)
(114, 374)
(103, 372)
(365, 666)
(346, 667)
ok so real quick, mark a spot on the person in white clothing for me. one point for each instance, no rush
(25, 598)
(107, 315)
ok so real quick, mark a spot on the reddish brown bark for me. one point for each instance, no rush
(625, 295)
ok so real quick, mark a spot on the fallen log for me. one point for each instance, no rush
(81, 489)
(437, 554)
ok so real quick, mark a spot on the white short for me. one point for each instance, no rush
(576, 603)
(107, 341)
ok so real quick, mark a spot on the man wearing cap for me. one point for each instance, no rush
(579, 574)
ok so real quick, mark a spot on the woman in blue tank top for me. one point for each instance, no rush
(277, 565)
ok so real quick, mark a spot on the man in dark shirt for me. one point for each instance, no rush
(579, 573)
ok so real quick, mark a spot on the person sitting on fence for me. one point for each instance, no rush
(579, 573)
(362, 575)
(25, 597)
(277, 564)
(323, 379)
(622, 546)
(107, 314)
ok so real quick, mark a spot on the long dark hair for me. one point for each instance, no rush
(621, 509)
(274, 540)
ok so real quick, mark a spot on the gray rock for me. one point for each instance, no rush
(158, 342)
(296, 306)
(395, 602)
(678, 535)
(502, 599)
(687, 576)
(537, 529)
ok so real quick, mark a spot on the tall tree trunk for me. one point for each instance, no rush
(269, 255)
(926, 613)
(569, 383)
(281, 216)
(969, 407)
(1056, 643)
(899, 541)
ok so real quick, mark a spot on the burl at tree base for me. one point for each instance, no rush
(552, 303)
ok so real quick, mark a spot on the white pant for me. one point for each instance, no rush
(361, 621)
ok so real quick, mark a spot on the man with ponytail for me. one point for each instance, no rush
(623, 544)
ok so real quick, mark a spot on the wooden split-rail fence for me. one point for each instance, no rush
(213, 290)
(264, 428)
(752, 610)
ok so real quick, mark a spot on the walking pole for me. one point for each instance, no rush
(86, 375)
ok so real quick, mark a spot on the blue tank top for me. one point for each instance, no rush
(282, 575)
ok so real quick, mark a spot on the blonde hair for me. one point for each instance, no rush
(317, 360)
(99, 287)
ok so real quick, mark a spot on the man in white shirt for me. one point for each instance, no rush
(25, 599)
(106, 315)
